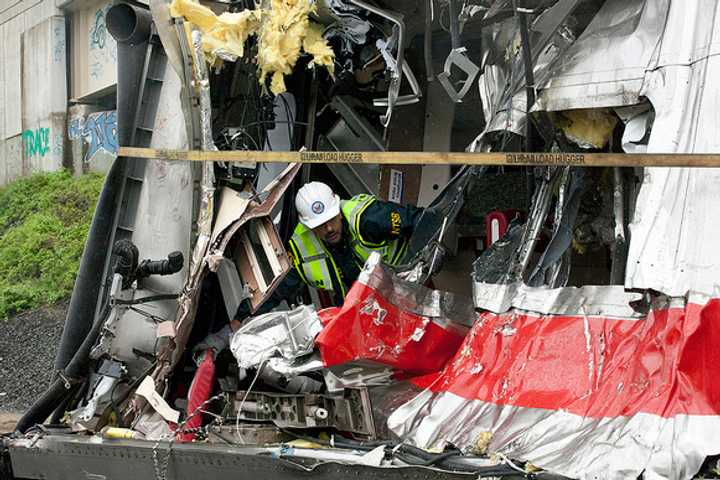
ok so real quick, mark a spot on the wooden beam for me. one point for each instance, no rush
(434, 158)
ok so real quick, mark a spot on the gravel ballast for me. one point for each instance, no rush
(27, 351)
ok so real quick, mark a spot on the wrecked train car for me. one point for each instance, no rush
(547, 321)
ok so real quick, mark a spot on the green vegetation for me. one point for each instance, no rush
(44, 220)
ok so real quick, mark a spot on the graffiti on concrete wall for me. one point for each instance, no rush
(98, 31)
(58, 43)
(36, 142)
(102, 49)
(98, 130)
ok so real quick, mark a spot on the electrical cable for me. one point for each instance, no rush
(242, 403)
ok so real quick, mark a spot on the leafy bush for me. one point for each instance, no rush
(44, 220)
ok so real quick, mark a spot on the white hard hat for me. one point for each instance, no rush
(316, 204)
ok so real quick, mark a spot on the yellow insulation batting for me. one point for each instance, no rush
(284, 32)
(587, 128)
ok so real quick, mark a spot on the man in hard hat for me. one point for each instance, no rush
(330, 245)
(335, 237)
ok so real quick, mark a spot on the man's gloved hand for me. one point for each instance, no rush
(218, 341)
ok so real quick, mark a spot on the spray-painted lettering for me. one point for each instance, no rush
(36, 142)
(99, 131)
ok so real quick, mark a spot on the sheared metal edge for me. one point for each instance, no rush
(273, 192)
(503, 90)
(606, 66)
(188, 299)
(674, 231)
(416, 299)
(606, 301)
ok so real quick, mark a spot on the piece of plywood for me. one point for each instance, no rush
(436, 158)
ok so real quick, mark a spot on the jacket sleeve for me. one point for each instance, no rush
(286, 290)
(383, 221)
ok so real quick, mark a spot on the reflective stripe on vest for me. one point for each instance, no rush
(314, 263)
(311, 260)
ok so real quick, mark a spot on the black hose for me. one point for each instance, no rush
(126, 260)
(173, 264)
(414, 455)
(59, 411)
(43, 406)
(128, 23)
(90, 273)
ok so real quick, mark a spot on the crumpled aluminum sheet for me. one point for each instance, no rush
(606, 66)
(413, 298)
(502, 86)
(606, 301)
(586, 397)
(288, 334)
(393, 323)
(674, 232)
(673, 242)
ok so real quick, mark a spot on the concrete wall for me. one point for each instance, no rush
(33, 87)
(38, 42)
(94, 52)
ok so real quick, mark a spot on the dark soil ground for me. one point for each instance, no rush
(27, 351)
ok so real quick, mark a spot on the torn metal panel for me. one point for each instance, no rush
(606, 66)
(674, 232)
(552, 269)
(259, 254)
(579, 395)
(98, 398)
(502, 81)
(394, 323)
(677, 85)
(261, 206)
(231, 206)
(188, 300)
(428, 243)
(638, 122)
(604, 301)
